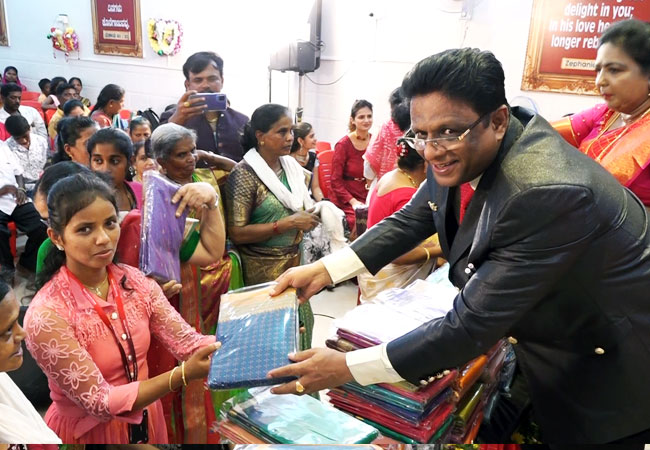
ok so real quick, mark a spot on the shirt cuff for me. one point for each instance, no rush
(343, 265)
(371, 366)
(121, 399)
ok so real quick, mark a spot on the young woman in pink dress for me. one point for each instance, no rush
(90, 324)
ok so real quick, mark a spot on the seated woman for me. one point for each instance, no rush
(381, 155)
(304, 143)
(11, 76)
(143, 159)
(19, 421)
(106, 111)
(90, 325)
(72, 136)
(390, 194)
(348, 184)
(266, 197)
(76, 82)
(204, 277)
(616, 133)
(111, 152)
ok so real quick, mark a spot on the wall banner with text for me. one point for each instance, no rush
(563, 41)
(117, 28)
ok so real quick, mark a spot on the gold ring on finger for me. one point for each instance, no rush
(299, 387)
(187, 104)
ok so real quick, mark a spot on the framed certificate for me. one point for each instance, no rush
(117, 28)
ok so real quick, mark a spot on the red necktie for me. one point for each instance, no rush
(466, 193)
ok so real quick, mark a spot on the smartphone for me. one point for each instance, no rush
(214, 101)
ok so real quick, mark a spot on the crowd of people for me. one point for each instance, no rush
(536, 233)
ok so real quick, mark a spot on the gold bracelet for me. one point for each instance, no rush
(428, 254)
(183, 373)
(171, 375)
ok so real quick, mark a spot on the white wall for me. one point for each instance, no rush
(368, 55)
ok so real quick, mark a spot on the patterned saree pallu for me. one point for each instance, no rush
(293, 419)
(162, 232)
(256, 332)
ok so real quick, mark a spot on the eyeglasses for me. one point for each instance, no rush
(446, 143)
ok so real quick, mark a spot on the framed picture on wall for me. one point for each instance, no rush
(4, 35)
(563, 42)
(117, 28)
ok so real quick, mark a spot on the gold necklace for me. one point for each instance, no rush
(415, 185)
(98, 289)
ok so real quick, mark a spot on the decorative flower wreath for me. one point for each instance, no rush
(64, 40)
(164, 36)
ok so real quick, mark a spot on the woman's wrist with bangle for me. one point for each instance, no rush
(171, 377)
(426, 250)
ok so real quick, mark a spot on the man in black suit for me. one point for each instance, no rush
(552, 253)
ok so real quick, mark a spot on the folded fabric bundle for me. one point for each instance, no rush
(468, 405)
(162, 232)
(440, 436)
(292, 419)
(257, 332)
(422, 430)
(237, 435)
(469, 374)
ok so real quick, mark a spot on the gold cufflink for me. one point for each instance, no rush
(433, 206)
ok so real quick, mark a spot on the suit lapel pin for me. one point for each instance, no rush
(433, 206)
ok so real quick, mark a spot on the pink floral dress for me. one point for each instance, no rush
(92, 398)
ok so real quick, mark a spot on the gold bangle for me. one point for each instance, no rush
(428, 254)
(183, 373)
(171, 375)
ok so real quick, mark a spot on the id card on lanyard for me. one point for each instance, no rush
(138, 433)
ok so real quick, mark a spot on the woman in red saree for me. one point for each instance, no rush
(617, 133)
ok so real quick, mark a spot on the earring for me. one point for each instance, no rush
(132, 171)
(262, 143)
(59, 247)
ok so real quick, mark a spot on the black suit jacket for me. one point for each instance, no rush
(554, 253)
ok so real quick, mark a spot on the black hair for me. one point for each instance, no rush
(401, 115)
(57, 172)
(470, 75)
(138, 121)
(633, 37)
(76, 78)
(62, 87)
(68, 131)
(8, 68)
(118, 138)
(55, 82)
(409, 159)
(66, 198)
(70, 105)
(300, 130)
(395, 97)
(108, 93)
(199, 61)
(9, 88)
(4, 290)
(42, 82)
(146, 144)
(262, 120)
(16, 125)
(356, 107)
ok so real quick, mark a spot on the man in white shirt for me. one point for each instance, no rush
(16, 207)
(11, 97)
(30, 149)
(550, 251)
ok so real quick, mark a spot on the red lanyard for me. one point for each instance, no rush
(131, 373)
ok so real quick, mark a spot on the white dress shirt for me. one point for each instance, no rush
(33, 118)
(9, 168)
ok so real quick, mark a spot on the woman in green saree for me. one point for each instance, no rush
(266, 197)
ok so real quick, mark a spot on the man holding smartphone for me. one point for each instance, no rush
(217, 130)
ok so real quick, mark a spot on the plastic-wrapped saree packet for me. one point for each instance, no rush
(293, 419)
(257, 332)
(162, 232)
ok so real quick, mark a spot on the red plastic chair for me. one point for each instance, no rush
(27, 95)
(125, 114)
(48, 115)
(322, 146)
(34, 104)
(325, 171)
(12, 237)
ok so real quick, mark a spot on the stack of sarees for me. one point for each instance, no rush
(257, 416)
